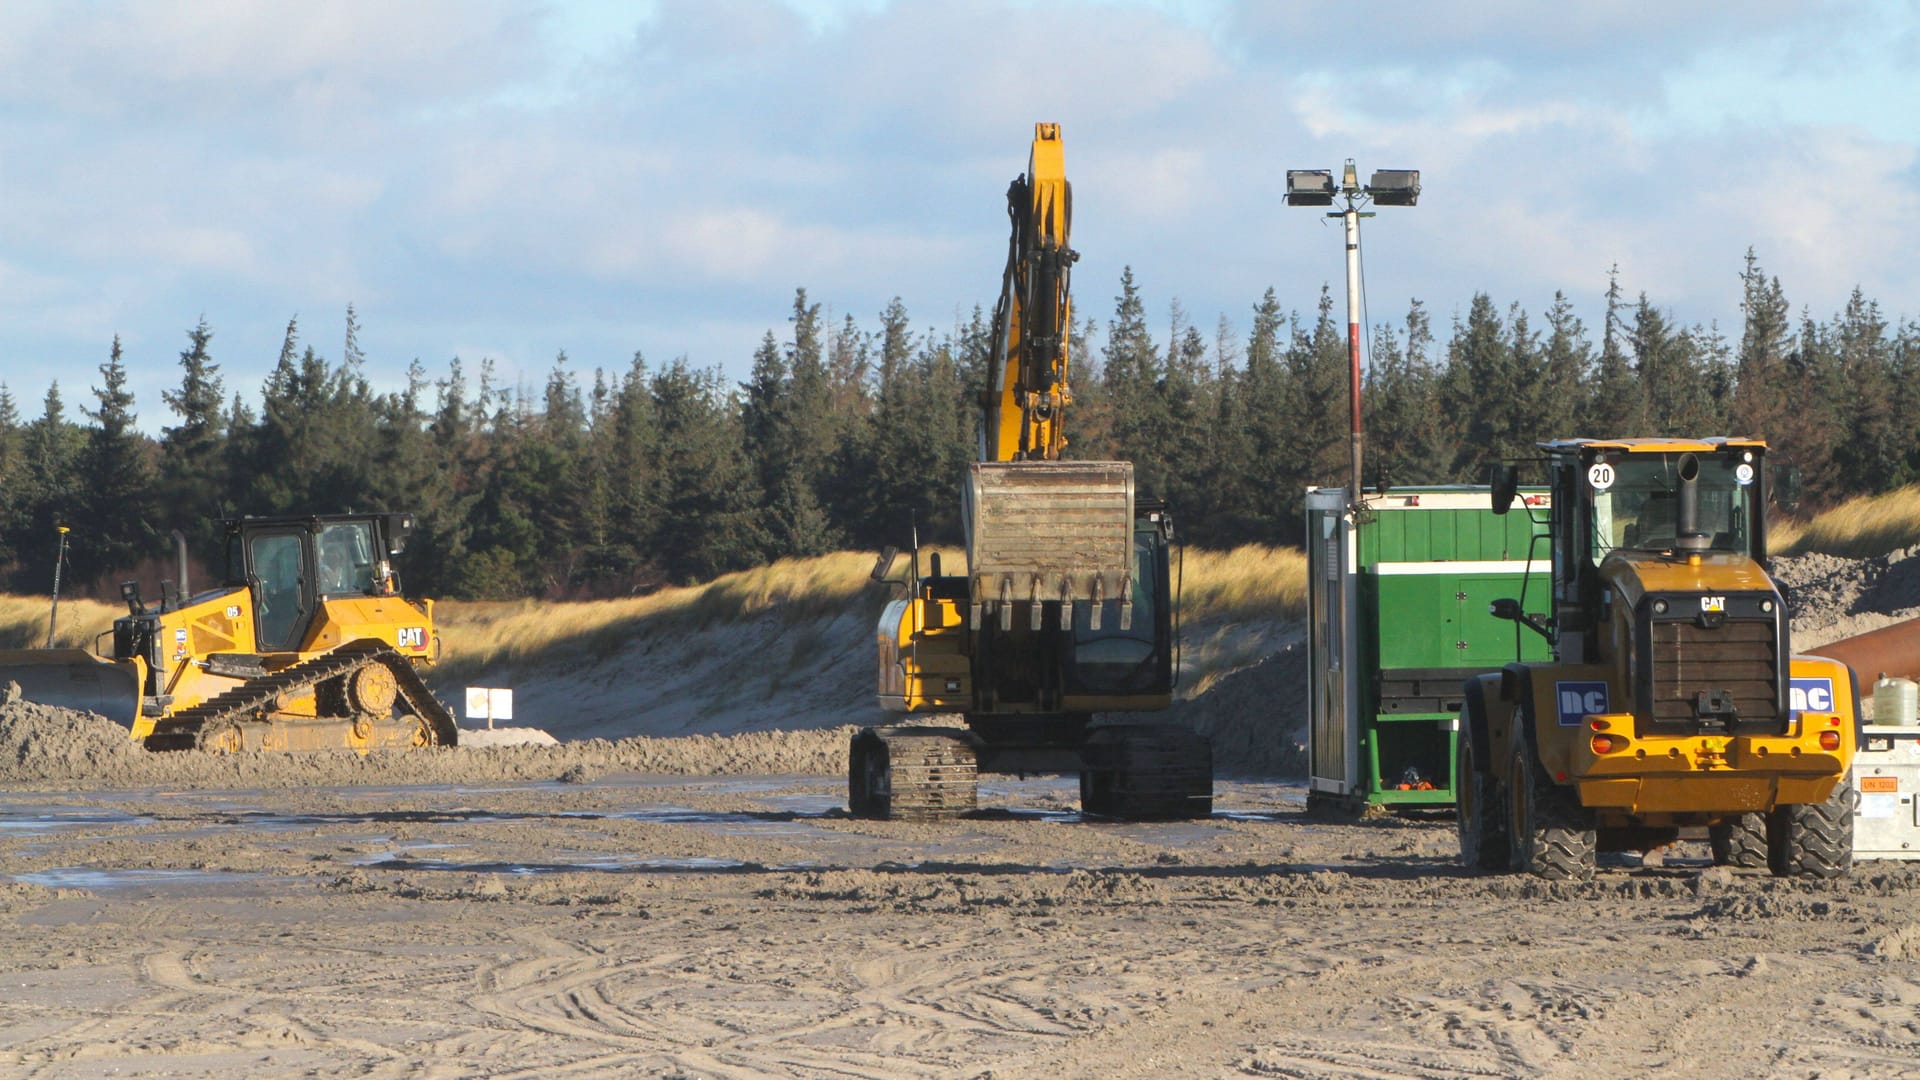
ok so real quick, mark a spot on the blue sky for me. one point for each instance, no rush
(506, 179)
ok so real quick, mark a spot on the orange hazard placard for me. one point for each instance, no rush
(1879, 783)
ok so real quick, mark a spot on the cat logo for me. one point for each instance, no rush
(412, 637)
(1713, 603)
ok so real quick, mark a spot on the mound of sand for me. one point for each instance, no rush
(691, 707)
(1831, 598)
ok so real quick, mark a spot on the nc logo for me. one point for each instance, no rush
(1811, 695)
(1579, 699)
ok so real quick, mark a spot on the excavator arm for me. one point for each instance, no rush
(1025, 402)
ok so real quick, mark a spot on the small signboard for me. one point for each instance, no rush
(490, 703)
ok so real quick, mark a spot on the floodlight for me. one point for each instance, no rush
(1395, 187)
(1309, 187)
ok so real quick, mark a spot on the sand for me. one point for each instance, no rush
(623, 903)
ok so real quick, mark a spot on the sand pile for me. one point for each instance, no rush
(42, 745)
(657, 709)
(1832, 598)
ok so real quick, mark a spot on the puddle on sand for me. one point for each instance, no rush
(94, 879)
(38, 819)
(599, 863)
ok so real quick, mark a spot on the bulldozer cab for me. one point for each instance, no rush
(292, 565)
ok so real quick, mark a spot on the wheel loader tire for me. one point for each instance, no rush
(1481, 812)
(1741, 841)
(1551, 836)
(1813, 839)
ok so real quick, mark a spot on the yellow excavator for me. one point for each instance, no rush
(307, 645)
(1064, 609)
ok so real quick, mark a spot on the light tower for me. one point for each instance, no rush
(1388, 187)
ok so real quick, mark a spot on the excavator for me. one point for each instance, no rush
(306, 645)
(1064, 609)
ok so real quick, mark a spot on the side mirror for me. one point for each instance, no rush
(1505, 608)
(1505, 481)
(885, 562)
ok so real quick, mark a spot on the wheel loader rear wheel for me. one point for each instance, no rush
(1481, 812)
(1551, 835)
(1813, 839)
(1739, 841)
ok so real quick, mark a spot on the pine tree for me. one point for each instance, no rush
(114, 529)
(193, 453)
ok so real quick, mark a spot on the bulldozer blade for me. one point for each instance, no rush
(74, 679)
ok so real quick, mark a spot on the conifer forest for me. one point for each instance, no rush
(848, 435)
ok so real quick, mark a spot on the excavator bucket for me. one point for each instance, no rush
(74, 679)
(1041, 531)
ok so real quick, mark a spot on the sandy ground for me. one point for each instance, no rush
(702, 906)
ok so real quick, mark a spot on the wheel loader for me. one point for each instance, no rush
(306, 645)
(1065, 607)
(1673, 699)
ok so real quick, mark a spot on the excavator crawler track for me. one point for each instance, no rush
(912, 774)
(243, 718)
(1147, 772)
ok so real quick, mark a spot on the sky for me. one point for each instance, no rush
(508, 179)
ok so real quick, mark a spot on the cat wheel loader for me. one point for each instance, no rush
(1672, 699)
(307, 645)
(1064, 608)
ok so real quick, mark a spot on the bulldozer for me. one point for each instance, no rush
(1065, 607)
(306, 645)
(1672, 699)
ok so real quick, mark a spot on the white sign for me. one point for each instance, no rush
(489, 704)
(1600, 475)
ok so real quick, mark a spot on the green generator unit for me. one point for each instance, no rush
(1398, 620)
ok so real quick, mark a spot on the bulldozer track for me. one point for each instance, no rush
(242, 716)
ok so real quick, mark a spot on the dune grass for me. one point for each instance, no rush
(1860, 528)
(23, 621)
(1252, 581)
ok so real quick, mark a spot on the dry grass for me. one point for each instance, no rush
(23, 621)
(1249, 582)
(1859, 528)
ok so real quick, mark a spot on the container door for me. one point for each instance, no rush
(1329, 659)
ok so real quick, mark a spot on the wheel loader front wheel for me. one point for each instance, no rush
(1813, 839)
(1551, 836)
(1739, 841)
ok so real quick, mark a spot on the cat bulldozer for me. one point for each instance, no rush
(307, 645)
(1064, 608)
(1672, 699)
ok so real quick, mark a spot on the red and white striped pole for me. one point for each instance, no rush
(1350, 186)
(1353, 327)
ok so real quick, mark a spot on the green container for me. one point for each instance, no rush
(1398, 621)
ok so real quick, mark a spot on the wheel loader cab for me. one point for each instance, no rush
(1687, 501)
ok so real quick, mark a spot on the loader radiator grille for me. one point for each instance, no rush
(1715, 678)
